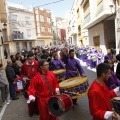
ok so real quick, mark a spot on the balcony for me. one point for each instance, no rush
(17, 35)
(104, 9)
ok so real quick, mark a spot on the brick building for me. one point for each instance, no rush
(43, 24)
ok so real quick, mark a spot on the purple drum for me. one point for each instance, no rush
(76, 87)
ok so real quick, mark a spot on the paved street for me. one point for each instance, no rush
(17, 110)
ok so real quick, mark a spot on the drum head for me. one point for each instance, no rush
(73, 82)
(55, 107)
(59, 71)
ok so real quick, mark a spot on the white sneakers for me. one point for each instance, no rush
(7, 102)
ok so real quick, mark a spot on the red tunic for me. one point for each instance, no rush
(29, 71)
(39, 88)
(99, 100)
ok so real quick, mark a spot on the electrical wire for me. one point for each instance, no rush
(49, 3)
(36, 6)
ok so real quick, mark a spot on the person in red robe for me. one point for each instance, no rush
(28, 71)
(39, 89)
(99, 95)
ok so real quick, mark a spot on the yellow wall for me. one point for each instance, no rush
(47, 41)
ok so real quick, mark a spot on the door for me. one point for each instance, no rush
(96, 41)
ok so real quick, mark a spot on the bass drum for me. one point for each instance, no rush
(115, 102)
(76, 87)
(57, 105)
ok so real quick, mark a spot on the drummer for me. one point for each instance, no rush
(43, 86)
(57, 64)
(73, 67)
(99, 96)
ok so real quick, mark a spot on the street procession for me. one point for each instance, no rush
(60, 60)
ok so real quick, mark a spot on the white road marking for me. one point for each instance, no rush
(3, 110)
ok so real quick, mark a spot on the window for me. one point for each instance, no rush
(30, 45)
(78, 12)
(17, 34)
(43, 29)
(49, 30)
(41, 18)
(17, 46)
(28, 32)
(1, 40)
(86, 9)
(27, 19)
(48, 20)
(14, 18)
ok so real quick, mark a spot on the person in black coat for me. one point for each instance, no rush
(44, 55)
(15, 67)
(10, 74)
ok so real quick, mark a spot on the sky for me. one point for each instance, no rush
(58, 9)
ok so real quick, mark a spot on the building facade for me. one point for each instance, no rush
(3, 31)
(83, 38)
(21, 28)
(61, 30)
(117, 25)
(99, 19)
(72, 31)
(43, 25)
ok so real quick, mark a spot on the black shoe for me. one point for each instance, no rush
(30, 114)
(15, 99)
(37, 113)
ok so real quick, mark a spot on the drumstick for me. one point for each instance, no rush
(72, 93)
(76, 93)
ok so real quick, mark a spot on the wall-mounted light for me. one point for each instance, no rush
(5, 25)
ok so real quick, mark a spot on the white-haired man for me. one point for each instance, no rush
(10, 74)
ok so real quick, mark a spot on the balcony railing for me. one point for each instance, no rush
(86, 20)
(99, 8)
(21, 36)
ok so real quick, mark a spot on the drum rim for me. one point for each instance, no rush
(63, 70)
(81, 95)
(75, 84)
(51, 113)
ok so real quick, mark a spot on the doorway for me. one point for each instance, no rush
(96, 42)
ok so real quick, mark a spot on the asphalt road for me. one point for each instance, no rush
(17, 110)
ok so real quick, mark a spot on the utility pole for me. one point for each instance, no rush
(56, 31)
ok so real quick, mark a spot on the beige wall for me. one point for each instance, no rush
(43, 41)
(97, 30)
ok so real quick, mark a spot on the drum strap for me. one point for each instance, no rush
(45, 79)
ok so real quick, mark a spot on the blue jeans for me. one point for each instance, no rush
(12, 90)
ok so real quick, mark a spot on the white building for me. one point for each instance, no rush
(72, 31)
(3, 31)
(59, 24)
(98, 18)
(21, 26)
